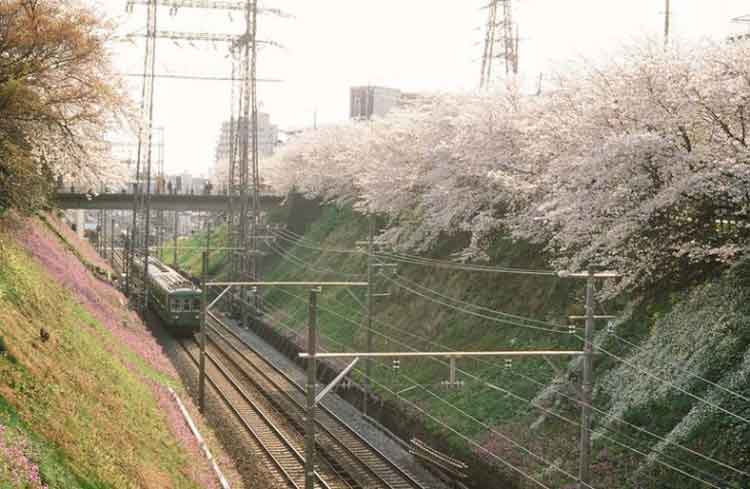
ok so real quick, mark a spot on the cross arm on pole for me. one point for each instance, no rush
(594, 317)
(288, 284)
(448, 354)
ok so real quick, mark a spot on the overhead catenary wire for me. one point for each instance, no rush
(438, 421)
(648, 432)
(414, 260)
(519, 398)
(682, 369)
(557, 331)
(671, 384)
(474, 313)
(661, 438)
(677, 367)
(480, 307)
(599, 348)
(281, 234)
(550, 328)
(603, 412)
(509, 440)
(289, 257)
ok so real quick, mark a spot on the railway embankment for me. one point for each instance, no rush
(84, 385)
(672, 372)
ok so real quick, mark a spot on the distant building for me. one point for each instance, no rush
(268, 135)
(366, 102)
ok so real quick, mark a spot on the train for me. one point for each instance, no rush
(172, 297)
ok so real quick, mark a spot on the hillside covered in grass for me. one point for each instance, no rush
(84, 399)
(671, 398)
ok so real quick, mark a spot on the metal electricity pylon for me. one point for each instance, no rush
(137, 287)
(501, 40)
(244, 180)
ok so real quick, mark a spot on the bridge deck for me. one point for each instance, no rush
(179, 202)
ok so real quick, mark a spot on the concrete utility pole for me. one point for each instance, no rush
(587, 387)
(204, 312)
(368, 363)
(667, 15)
(112, 239)
(174, 248)
(312, 378)
(587, 384)
(208, 237)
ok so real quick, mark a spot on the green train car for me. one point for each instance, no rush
(173, 298)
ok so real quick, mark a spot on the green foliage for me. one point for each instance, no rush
(702, 330)
(55, 468)
(77, 390)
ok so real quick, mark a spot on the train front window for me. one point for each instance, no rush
(196, 304)
(177, 305)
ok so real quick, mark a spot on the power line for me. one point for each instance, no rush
(201, 77)
(285, 255)
(283, 234)
(473, 313)
(642, 430)
(416, 260)
(520, 398)
(656, 377)
(634, 426)
(480, 307)
(511, 441)
(465, 373)
(554, 414)
(504, 321)
(533, 404)
(550, 330)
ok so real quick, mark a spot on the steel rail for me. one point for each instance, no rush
(233, 364)
(381, 457)
(278, 464)
(350, 452)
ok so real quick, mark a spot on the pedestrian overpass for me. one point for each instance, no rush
(164, 202)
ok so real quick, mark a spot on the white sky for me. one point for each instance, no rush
(413, 45)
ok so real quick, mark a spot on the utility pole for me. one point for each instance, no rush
(112, 239)
(368, 363)
(208, 233)
(587, 384)
(667, 15)
(311, 356)
(312, 378)
(174, 243)
(584, 474)
(204, 311)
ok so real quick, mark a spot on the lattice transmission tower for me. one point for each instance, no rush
(500, 41)
(243, 182)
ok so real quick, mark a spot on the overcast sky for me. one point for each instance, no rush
(413, 45)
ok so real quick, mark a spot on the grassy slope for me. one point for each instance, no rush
(659, 326)
(89, 405)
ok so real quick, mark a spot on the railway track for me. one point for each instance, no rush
(341, 446)
(281, 455)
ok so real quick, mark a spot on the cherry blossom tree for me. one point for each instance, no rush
(639, 165)
(58, 97)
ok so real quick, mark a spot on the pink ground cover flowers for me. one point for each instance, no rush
(16, 464)
(108, 306)
(100, 299)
